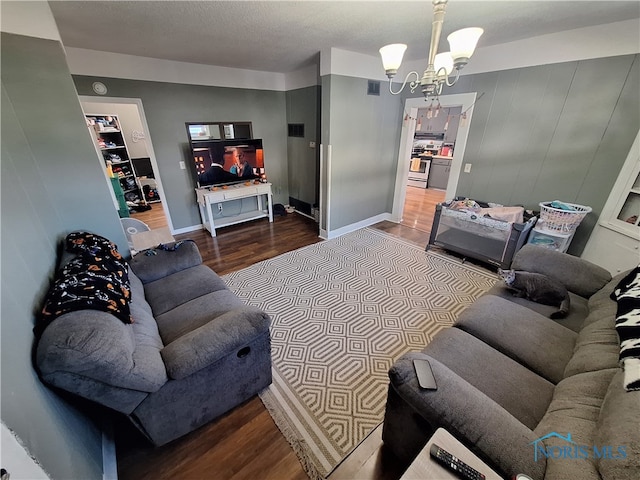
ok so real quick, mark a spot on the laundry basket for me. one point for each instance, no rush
(562, 220)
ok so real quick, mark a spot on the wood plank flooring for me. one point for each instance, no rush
(419, 207)
(245, 444)
(154, 218)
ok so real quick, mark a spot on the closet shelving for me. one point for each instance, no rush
(111, 144)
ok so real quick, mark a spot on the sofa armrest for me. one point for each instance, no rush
(228, 333)
(578, 275)
(469, 415)
(96, 345)
(163, 263)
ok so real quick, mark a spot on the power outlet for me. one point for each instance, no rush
(312, 144)
(467, 168)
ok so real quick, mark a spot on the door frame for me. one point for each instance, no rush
(149, 143)
(411, 106)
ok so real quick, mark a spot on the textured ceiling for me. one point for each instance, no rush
(283, 36)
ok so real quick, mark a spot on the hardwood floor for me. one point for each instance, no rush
(155, 217)
(419, 207)
(245, 444)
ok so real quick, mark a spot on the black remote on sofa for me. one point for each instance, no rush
(455, 464)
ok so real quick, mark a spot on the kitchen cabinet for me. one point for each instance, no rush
(446, 123)
(435, 124)
(615, 241)
(439, 173)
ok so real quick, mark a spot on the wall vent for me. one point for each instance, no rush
(296, 129)
(373, 88)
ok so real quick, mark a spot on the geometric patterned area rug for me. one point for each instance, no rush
(343, 310)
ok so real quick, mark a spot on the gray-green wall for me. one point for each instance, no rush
(52, 183)
(364, 133)
(551, 132)
(303, 107)
(167, 106)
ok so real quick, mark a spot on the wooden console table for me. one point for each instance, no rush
(207, 197)
(426, 468)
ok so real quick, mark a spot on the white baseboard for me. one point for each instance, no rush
(355, 226)
(192, 228)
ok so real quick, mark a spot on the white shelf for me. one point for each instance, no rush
(206, 198)
(243, 217)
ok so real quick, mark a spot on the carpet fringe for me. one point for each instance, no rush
(298, 446)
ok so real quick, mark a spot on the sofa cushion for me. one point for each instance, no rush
(618, 426)
(148, 344)
(600, 303)
(574, 410)
(181, 287)
(195, 313)
(578, 275)
(577, 312)
(517, 389)
(228, 334)
(597, 347)
(539, 343)
(156, 264)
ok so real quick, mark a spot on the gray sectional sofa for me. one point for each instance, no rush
(193, 351)
(527, 394)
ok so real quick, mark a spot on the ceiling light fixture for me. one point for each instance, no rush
(462, 44)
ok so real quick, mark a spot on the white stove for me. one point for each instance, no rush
(419, 171)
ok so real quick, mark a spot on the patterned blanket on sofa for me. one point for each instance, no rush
(627, 294)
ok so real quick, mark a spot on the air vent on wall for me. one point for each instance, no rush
(296, 129)
(373, 88)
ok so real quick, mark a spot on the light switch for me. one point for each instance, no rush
(467, 167)
(182, 166)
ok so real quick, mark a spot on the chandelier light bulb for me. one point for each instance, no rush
(392, 57)
(463, 44)
(443, 60)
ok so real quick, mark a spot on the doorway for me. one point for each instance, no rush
(135, 130)
(418, 205)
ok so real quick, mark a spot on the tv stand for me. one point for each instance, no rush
(207, 197)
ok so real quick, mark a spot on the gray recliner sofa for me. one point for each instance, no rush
(525, 393)
(193, 351)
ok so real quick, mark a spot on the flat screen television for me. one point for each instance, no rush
(223, 162)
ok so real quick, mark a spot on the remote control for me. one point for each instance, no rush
(455, 464)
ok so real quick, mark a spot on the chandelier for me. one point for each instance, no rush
(462, 44)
